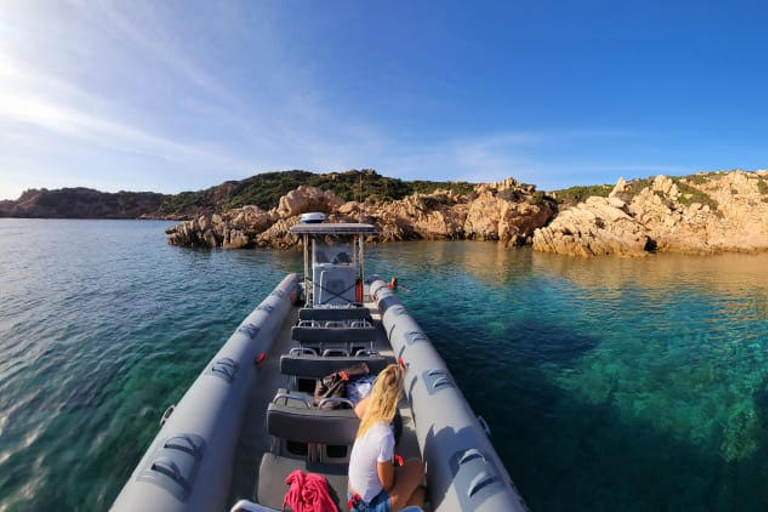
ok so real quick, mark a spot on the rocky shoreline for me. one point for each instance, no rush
(507, 211)
(700, 214)
(704, 213)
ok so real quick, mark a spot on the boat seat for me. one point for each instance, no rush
(336, 324)
(333, 335)
(274, 469)
(334, 314)
(292, 416)
(308, 366)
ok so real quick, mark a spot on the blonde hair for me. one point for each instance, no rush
(384, 398)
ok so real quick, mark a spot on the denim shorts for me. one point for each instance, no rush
(381, 503)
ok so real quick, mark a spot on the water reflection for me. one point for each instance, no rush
(733, 274)
(632, 377)
(618, 384)
(489, 262)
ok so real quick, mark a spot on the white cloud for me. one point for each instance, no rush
(104, 132)
(213, 91)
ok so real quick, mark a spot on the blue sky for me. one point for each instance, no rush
(172, 96)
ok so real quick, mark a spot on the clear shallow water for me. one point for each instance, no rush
(608, 384)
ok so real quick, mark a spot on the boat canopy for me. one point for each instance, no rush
(338, 266)
(337, 228)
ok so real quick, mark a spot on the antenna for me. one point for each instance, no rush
(360, 200)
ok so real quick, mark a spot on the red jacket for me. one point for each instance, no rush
(308, 493)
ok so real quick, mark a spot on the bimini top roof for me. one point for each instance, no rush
(338, 228)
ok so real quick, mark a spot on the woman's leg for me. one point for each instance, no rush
(418, 497)
(408, 478)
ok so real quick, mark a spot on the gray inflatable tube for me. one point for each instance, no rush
(464, 471)
(188, 467)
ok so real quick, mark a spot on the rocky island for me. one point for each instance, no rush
(82, 203)
(702, 213)
(698, 214)
(507, 211)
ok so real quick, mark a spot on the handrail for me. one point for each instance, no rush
(336, 400)
(302, 350)
(288, 396)
(331, 351)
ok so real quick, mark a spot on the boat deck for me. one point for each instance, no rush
(255, 441)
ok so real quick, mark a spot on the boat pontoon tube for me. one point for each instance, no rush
(464, 471)
(188, 467)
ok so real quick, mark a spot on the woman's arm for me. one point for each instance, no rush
(361, 406)
(385, 469)
(386, 473)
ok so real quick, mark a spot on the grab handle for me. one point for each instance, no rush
(336, 400)
(288, 396)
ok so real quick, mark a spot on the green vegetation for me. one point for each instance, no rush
(538, 198)
(87, 203)
(574, 195)
(762, 186)
(635, 186)
(265, 190)
(690, 195)
(700, 178)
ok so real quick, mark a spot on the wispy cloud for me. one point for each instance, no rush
(72, 123)
(530, 156)
(180, 97)
(128, 81)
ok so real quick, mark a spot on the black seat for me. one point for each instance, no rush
(316, 367)
(293, 416)
(274, 469)
(333, 335)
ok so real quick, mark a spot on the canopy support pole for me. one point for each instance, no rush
(362, 257)
(305, 243)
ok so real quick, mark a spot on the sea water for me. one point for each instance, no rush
(615, 384)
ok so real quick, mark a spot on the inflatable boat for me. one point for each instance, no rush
(251, 419)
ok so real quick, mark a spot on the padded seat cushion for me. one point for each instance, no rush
(333, 335)
(317, 367)
(275, 469)
(291, 420)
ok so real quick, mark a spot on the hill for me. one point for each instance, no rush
(263, 190)
(81, 203)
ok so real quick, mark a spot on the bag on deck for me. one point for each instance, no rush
(335, 385)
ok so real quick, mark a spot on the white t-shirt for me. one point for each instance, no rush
(376, 445)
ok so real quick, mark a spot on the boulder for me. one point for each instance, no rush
(701, 214)
(507, 211)
(307, 199)
(594, 228)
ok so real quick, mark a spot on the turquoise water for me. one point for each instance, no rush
(610, 384)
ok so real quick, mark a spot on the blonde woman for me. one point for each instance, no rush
(375, 484)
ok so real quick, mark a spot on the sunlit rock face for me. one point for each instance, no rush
(507, 211)
(597, 227)
(699, 214)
